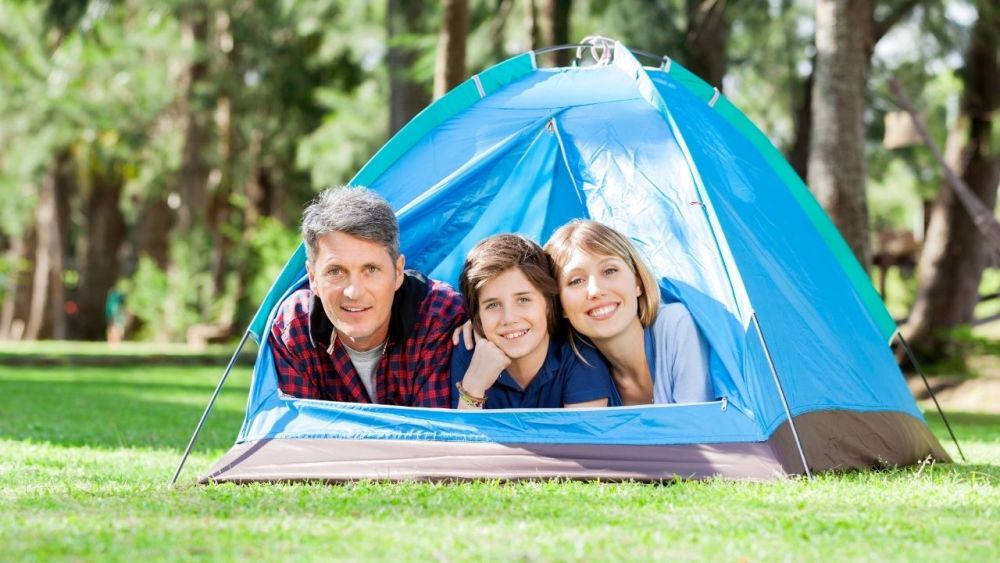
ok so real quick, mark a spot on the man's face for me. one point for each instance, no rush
(355, 279)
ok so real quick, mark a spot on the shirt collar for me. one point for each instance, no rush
(403, 317)
(545, 373)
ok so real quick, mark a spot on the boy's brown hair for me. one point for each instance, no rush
(499, 253)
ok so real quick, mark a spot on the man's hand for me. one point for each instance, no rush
(464, 333)
(488, 361)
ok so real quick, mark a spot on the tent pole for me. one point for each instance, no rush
(781, 393)
(208, 409)
(916, 366)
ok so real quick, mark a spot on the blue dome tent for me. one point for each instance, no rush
(799, 338)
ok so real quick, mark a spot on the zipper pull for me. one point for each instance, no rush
(725, 404)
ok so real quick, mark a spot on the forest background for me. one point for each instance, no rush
(164, 151)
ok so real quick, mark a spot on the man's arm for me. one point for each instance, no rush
(444, 312)
(289, 341)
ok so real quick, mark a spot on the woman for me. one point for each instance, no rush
(609, 295)
(519, 361)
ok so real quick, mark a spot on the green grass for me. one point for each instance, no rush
(76, 353)
(126, 349)
(85, 454)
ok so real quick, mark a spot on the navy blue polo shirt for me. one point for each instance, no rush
(563, 379)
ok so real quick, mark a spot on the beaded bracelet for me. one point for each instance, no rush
(470, 400)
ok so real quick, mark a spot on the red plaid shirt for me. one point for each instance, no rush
(413, 371)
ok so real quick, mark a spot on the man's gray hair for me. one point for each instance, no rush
(354, 211)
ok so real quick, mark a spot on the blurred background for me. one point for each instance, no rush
(155, 156)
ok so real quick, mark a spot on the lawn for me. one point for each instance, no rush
(86, 452)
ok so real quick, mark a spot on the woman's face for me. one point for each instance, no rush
(514, 316)
(599, 294)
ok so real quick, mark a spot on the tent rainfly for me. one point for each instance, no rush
(800, 340)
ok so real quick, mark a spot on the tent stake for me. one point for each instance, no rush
(916, 366)
(781, 393)
(208, 409)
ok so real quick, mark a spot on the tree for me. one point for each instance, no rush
(837, 171)
(407, 96)
(707, 39)
(555, 25)
(693, 32)
(449, 68)
(798, 149)
(954, 254)
(195, 106)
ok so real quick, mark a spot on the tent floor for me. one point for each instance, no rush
(346, 460)
(832, 440)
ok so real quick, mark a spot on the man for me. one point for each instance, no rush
(364, 331)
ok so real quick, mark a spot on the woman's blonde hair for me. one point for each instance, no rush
(601, 240)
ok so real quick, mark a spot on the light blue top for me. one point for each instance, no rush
(678, 357)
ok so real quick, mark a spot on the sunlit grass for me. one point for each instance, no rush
(87, 453)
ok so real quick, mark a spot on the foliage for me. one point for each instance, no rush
(147, 298)
(268, 102)
(79, 486)
(270, 245)
(24, 148)
(924, 54)
(347, 138)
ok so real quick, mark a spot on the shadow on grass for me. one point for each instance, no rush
(108, 414)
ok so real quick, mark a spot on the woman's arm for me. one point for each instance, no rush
(683, 375)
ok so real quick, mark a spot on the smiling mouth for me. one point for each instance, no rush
(514, 335)
(603, 312)
(354, 309)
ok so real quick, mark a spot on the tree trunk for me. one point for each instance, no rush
(45, 228)
(498, 27)
(449, 67)
(555, 30)
(17, 297)
(154, 234)
(220, 208)
(406, 95)
(105, 233)
(65, 184)
(954, 254)
(798, 155)
(531, 24)
(194, 169)
(10, 288)
(46, 318)
(707, 39)
(836, 164)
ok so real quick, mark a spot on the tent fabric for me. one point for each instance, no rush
(726, 225)
(881, 440)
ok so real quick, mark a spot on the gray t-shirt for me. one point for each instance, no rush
(365, 363)
(680, 365)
